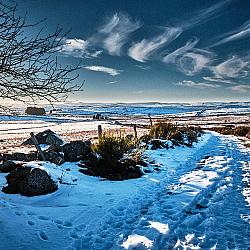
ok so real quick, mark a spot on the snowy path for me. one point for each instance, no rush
(198, 201)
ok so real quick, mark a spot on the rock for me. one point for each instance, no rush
(35, 111)
(77, 150)
(19, 157)
(156, 144)
(46, 137)
(29, 182)
(115, 171)
(9, 166)
(53, 155)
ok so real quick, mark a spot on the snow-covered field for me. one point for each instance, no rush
(200, 200)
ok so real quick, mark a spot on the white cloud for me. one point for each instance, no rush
(78, 48)
(110, 71)
(205, 15)
(115, 33)
(111, 82)
(240, 88)
(193, 62)
(232, 68)
(171, 58)
(240, 33)
(197, 85)
(142, 50)
(220, 80)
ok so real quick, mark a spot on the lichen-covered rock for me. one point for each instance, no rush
(77, 150)
(19, 156)
(29, 182)
(9, 166)
(46, 137)
(54, 157)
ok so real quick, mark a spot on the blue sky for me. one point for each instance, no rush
(140, 50)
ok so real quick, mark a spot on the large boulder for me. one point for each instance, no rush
(9, 166)
(46, 137)
(77, 150)
(29, 182)
(35, 111)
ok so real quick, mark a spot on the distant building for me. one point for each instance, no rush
(35, 111)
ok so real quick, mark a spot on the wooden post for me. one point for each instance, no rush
(150, 120)
(38, 148)
(99, 131)
(135, 130)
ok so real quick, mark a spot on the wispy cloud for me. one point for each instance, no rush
(107, 70)
(197, 85)
(115, 33)
(171, 58)
(239, 33)
(205, 15)
(231, 68)
(78, 48)
(111, 82)
(218, 80)
(193, 62)
(142, 50)
(144, 67)
(138, 92)
(240, 88)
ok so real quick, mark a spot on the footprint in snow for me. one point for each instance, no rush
(41, 217)
(67, 224)
(58, 221)
(43, 235)
(30, 213)
(73, 235)
(18, 213)
(31, 223)
(59, 224)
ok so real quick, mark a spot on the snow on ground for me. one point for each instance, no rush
(22, 128)
(200, 200)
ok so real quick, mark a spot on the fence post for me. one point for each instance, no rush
(150, 120)
(38, 148)
(99, 131)
(135, 131)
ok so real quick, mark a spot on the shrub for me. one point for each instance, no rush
(113, 148)
(238, 131)
(162, 130)
(112, 164)
(241, 131)
(178, 135)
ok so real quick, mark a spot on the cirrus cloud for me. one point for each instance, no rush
(142, 50)
(240, 88)
(115, 33)
(197, 85)
(234, 67)
(107, 70)
(193, 62)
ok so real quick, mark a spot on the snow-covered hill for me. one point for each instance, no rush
(200, 200)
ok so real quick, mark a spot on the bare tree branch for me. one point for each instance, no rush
(29, 67)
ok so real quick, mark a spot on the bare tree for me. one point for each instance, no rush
(29, 68)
